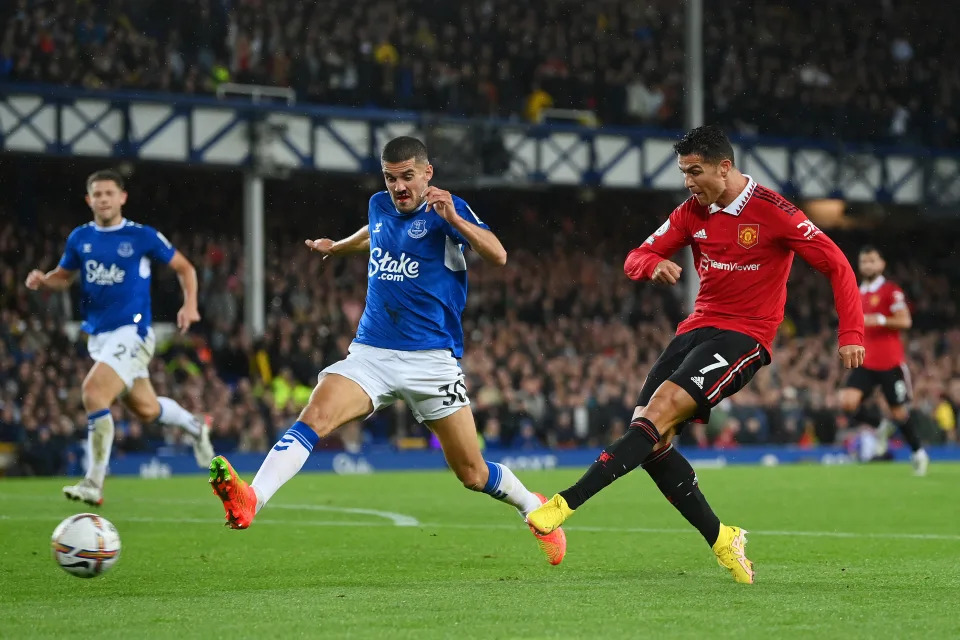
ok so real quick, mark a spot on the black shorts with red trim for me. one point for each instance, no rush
(894, 383)
(709, 364)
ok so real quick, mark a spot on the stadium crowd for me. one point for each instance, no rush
(558, 342)
(621, 60)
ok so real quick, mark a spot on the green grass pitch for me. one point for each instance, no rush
(847, 551)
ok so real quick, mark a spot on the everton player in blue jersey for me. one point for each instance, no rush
(112, 257)
(408, 344)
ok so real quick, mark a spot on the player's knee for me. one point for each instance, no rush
(145, 414)
(849, 402)
(666, 437)
(668, 408)
(319, 419)
(93, 399)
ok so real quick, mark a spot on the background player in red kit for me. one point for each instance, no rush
(885, 315)
(743, 238)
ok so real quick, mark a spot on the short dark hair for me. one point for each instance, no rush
(105, 174)
(404, 148)
(869, 248)
(709, 142)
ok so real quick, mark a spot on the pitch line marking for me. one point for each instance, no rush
(398, 519)
(446, 525)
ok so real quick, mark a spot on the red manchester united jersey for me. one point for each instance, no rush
(884, 346)
(743, 254)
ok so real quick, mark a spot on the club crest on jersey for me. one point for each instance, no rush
(87, 247)
(659, 232)
(748, 235)
(125, 250)
(874, 300)
(418, 229)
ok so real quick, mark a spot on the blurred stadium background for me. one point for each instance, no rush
(245, 126)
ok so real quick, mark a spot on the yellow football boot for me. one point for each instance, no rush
(729, 548)
(550, 516)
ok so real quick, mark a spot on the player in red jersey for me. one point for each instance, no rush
(743, 238)
(885, 315)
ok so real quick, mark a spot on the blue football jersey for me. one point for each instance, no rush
(416, 278)
(114, 265)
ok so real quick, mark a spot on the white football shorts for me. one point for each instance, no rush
(430, 382)
(124, 351)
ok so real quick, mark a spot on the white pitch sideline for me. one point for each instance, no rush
(394, 517)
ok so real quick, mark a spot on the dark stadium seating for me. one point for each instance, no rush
(497, 57)
(558, 341)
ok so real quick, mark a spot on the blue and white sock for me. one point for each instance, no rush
(284, 461)
(505, 486)
(171, 413)
(99, 442)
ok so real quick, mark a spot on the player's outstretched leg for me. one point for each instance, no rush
(198, 427)
(618, 459)
(678, 482)
(502, 484)
(336, 400)
(457, 435)
(143, 401)
(669, 406)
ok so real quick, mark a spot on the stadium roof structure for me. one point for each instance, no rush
(237, 133)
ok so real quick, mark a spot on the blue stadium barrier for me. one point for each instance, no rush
(164, 465)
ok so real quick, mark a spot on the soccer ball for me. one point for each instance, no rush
(85, 545)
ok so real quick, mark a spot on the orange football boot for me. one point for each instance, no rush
(553, 544)
(239, 498)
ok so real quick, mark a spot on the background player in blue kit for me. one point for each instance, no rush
(113, 257)
(408, 343)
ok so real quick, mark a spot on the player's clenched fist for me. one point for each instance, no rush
(34, 279)
(667, 272)
(852, 356)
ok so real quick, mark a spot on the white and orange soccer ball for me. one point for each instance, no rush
(86, 545)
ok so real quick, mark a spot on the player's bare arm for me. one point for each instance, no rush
(187, 275)
(481, 240)
(57, 280)
(901, 320)
(358, 242)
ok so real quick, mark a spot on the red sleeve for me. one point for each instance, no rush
(897, 299)
(820, 252)
(665, 241)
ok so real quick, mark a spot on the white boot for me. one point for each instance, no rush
(86, 491)
(920, 461)
(202, 447)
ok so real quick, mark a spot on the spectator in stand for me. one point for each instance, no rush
(546, 339)
(867, 73)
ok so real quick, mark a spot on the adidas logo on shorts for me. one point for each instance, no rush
(698, 380)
